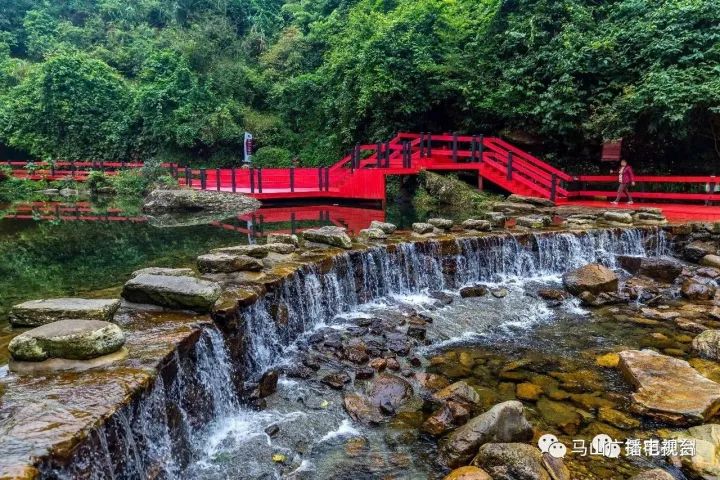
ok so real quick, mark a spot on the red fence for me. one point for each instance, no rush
(78, 171)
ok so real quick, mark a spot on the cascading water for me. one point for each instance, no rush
(167, 431)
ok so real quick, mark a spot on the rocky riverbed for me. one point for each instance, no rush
(396, 355)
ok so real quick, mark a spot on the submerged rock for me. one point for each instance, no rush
(386, 227)
(516, 461)
(67, 339)
(669, 389)
(593, 278)
(505, 422)
(329, 235)
(468, 473)
(173, 292)
(227, 263)
(477, 225)
(40, 312)
(707, 344)
(388, 392)
(190, 200)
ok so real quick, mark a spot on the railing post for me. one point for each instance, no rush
(553, 182)
(188, 177)
(293, 225)
(455, 147)
(472, 149)
(387, 154)
(52, 168)
(352, 160)
(217, 179)
(259, 172)
(481, 138)
(203, 179)
(292, 179)
(509, 165)
(232, 180)
(252, 179)
(422, 144)
(320, 179)
(429, 145)
(378, 154)
(102, 166)
(327, 179)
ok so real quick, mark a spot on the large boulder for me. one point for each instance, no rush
(468, 473)
(710, 260)
(664, 269)
(227, 263)
(505, 422)
(669, 389)
(654, 474)
(190, 201)
(388, 392)
(460, 393)
(172, 292)
(593, 278)
(707, 344)
(540, 202)
(695, 251)
(386, 227)
(517, 461)
(68, 339)
(422, 228)
(40, 312)
(697, 289)
(328, 235)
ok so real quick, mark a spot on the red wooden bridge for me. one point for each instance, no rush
(361, 175)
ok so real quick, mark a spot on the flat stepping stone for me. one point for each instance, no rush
(67, 339)
(228, 263)
(669, 389)
(40, 312)
(329, 235)
(185, 293)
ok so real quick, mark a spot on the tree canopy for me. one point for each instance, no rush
(183, 79)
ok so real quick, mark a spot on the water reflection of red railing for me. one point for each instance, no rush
(286, 219)
(295, 219)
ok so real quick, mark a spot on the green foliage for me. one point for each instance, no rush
(96, 181)
(183, 80)
(272, 157)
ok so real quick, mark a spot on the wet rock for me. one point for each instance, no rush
(268, 384)
(287, 238)
(512, 461)
(392, 364)
(505, 422)
(669, 389)
(364, 373)
(172, 292)
(705, 463)
(227, 263)
(559, 414)
(580, 221)
(441, 223)
(609, 360)
(617, 419)
(654, 474)
(397, 343)
(192, 201)
(378, 364)
(604, 298)
(499, 292)
(460, 393)
(710, 261)
(593, 278)
(336, 380)
(552, 294)
(696, 250)
(468, 473)
(67, 339)
(440, 296)
(694, 289)
(171, 272)
(40, 312)
(255, 251)
(534, 221)
(388, 392)
(477, 225)
(356, 353)
(431, 381)
(473, 291)
(538, 201)
(440, 422)
(386, 227)
(690, 326)
(496, 219)
(361, 410)
(329, 235)
(514, 208)
(417, 332)
(664, 269)
(707, 344)
(367, 234)
(272, 430)
(422, 228)
(615, 217)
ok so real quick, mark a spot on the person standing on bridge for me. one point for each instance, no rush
(626, 178)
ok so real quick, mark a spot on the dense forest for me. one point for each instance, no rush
(183, 79)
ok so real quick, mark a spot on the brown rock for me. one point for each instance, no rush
(694, 289)
(593, 278)
(654, 474)
(388, 392)
(669, 389)
(458, 392)
(468, 473)
(528, 391)
(474, 291)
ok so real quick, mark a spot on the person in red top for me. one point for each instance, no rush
(626, 177)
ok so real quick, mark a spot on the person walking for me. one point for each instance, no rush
(626, 178)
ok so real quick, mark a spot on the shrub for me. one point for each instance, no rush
(272, 157)
(130, 183)
(96, 181)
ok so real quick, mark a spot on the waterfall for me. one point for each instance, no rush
(313, 299)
